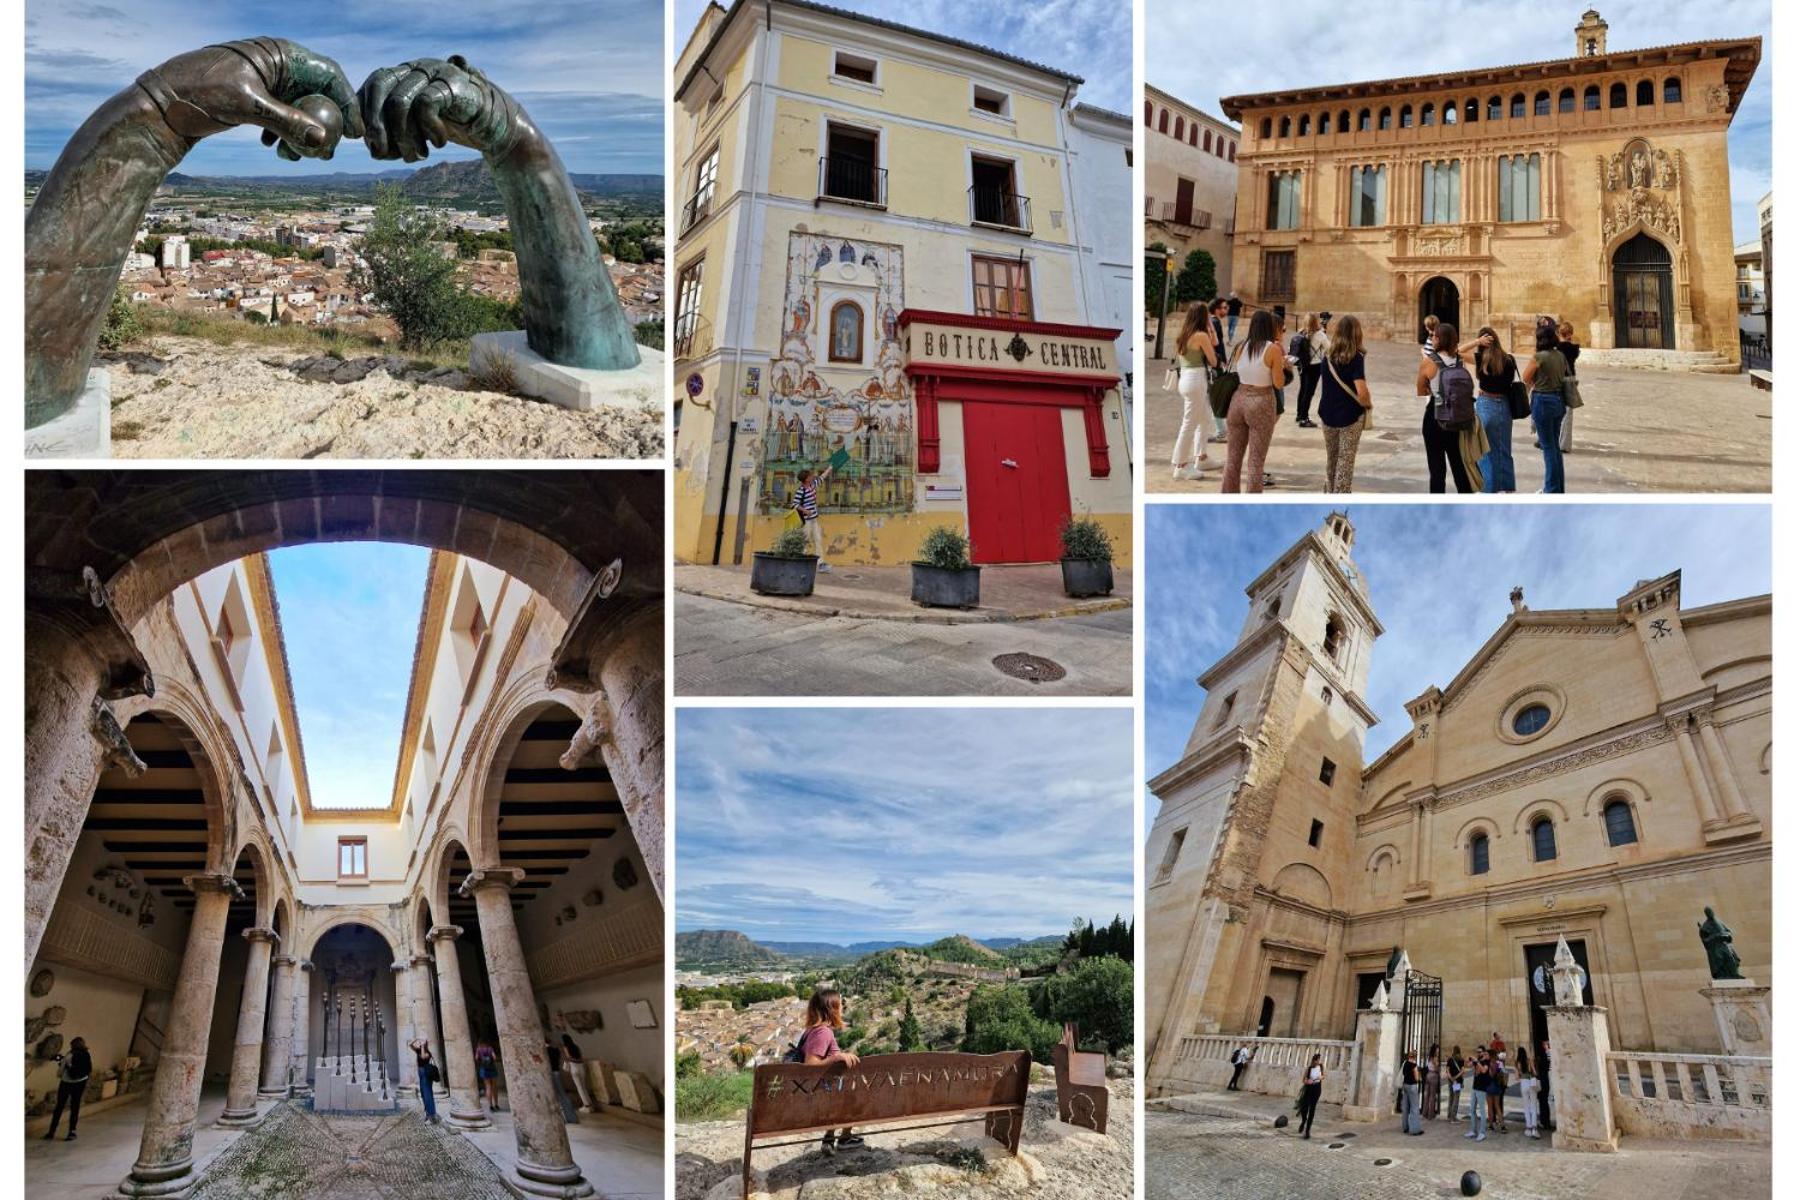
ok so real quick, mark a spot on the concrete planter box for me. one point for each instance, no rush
(940, 587)
(1087, 577)
(772, 575)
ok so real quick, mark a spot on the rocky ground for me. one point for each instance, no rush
(189, 398)
(1056, 1161)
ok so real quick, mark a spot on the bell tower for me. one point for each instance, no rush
(1590, 35)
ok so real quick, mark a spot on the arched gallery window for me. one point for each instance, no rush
(1344, 121)
(1621, 830)
(1268, 127)
(1194, 134)
(1472, 111)
(1543, 840)
(1517, 109)
(1406, 116)
(1590, 99)
(1149, 112)
(1305, 124)
(1672, 90)
(1449, 112)
(1287, 126)
(1428, 115)
(1362, 121)
(1206, 140)
(1493, 113)
(1387, 118)
(1478, 854)
(1180, 127)
(1324, 123)
(1162, 121)
(1616, 96)
(1540, 104)
(846, 331)
(1646, 93)
(1565, 100)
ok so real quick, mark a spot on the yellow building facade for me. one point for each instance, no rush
(1600, 775)
(851, 190)
(1596, 189)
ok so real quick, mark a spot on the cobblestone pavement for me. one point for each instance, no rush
(296, 1154)
(1188, 1157)
(1638, 431)
(726, 649)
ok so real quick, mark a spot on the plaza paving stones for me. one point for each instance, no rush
(727, 649)
(1639, 431)
(1215, 1157)
(296, 1154)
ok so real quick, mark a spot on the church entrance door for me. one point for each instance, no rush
(1643, 295)
(1542, 992)
(1439, 298)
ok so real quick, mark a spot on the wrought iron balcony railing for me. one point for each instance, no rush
(999, 208)
(854, 180)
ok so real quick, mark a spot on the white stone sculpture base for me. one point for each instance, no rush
(1378, 1035)
(1580, 1081)
(1742, 1011)
(574, 387)
(352, 1091)
(85, 431)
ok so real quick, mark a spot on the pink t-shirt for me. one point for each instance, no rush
(818, 1042)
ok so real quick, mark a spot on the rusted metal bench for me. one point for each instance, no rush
(1081, 1091)
(788, 1098)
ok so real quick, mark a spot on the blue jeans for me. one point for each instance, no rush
(1497, 464)
(1547, 412)
(426, 1096)
(1478, 1113)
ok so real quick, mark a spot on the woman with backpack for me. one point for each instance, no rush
(487, 1073)
(1312, 1083)
(818, 1046)
(1448, 389)
(1262, 370)
(428, 1076)
(1495, 373)
(1304, 351)
(1344, 402)
(1544, 375)
(1198, 355)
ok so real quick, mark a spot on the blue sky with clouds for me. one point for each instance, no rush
(1089, 38)
(350, 618)
(1439, 576)
(589, 71)
(1201, 52)
(874, 824)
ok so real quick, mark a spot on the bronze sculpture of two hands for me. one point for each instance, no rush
(305, 104)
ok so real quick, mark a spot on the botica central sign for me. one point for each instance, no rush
(1053, 350)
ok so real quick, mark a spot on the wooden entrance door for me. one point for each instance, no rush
(1018, 481)
(1643, 290)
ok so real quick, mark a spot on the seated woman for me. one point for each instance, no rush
(818, 1046)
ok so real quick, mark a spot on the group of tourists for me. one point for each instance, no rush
(564, 1058)
(1474, 391)
(1482, 1079)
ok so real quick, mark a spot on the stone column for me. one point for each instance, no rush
(278, 1045)
(1725, 783)
(246, 1056)
(1370, 1096)
(1696, 775)
(1741, 1009)
(631, 684)
(300, 1052)
(407, 1086)
(545, 1167)
(458, 1062)
(1579, 1076)
(425, 1017)
(165, 1161)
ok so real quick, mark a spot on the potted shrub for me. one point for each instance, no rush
(785, 569)
(1086, 558)
(942, 576)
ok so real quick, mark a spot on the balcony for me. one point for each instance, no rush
(999, 208)
(696, 210)
(852, 181)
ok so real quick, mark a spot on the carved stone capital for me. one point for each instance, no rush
(203, 885)
(398, 967)
(305, 964)
(261, 933)
(443, 933)
(420, 960)
(504, 878)
(283, 960)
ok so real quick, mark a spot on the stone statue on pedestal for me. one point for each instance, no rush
(1721, 957)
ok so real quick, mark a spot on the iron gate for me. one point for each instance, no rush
(1421, 1016)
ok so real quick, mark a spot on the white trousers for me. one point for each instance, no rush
(1194, 412)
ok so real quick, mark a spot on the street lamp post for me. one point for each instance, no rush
(1162, 314)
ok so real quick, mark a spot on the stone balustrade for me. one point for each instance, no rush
(1204, 1061)
(1691, 1095)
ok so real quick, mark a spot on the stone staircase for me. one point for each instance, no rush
(1706, 362)
(352, 1083)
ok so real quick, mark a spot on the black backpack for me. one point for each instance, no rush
(796, 1053)
(1453, 396)
(1300, 349)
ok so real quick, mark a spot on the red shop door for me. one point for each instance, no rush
(1018, 481)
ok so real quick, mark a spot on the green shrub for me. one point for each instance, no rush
(122, 324)
(1086, 539)
(999, 1018)
(687, 1065)
(790, 543)
(945, 549)
(1097, 996)
(712, 1095)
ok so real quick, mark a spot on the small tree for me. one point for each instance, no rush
(122, 324)
(742, 1054)
(1196, 280)
(1097, 996)
(1153, 278)
(999, 1018)
(409, 276)
(911, 1036)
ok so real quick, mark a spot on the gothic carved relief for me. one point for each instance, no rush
(1445, 246)
(1637, 173)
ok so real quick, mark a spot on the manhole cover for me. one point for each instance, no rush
(1384, 1162)
(1029, 666)
(848, 576)
(1346, 1136)
(1335, 1146)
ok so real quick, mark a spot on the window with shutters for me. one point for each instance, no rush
(1278, 276)
(1002, 287)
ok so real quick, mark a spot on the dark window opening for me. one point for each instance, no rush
(1543, 840)
(1327, 771)
(1318, 830)
(850, 165)
(1621, 830)
(1478, 854)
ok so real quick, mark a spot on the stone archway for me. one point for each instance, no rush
(1643, 288)
(1439, 297)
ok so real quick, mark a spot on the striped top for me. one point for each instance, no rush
(806, 501)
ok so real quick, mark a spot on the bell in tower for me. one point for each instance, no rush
(1590, 35)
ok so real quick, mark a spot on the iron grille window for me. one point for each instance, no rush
(993, 196)
(1278, 276)
(849, 170)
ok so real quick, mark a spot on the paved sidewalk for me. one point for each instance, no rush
(1639, 431)
(1224, 1145)
(1008, 593)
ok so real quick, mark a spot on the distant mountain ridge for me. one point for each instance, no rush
(464, 178)
(730, 946)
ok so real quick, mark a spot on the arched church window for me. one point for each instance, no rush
(1646, 93)
(1565, 100)
(1621, 830)
(1540, 104)
(846, 332)
(1478, 854)
(1672, 90)
(1530, 719)
(1543, 840)
(1590, 99)
(1616, 96)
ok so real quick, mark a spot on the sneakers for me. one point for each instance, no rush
(71, 1136)
(824, 566)
(1469, 1134)
(1481, 1137)
(850, 1141)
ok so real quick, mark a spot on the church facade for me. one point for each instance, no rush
(1595, 188)
(1598, 775)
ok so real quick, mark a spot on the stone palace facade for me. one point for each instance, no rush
(1595, 188)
